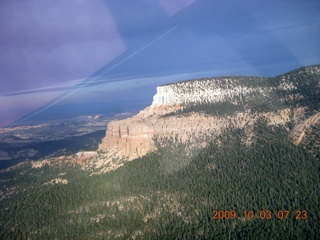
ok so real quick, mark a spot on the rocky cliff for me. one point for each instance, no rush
(193, 111)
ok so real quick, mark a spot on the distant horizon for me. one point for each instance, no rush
(71, 110)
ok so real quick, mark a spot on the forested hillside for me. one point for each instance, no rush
(297, 88)
(166, 195)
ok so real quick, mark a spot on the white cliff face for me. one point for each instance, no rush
(165, 96)
(204, 91)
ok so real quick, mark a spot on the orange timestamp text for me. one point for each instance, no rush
(262, 214)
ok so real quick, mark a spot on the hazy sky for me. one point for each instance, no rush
(66, 53)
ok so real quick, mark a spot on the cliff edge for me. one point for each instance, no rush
(197, 110)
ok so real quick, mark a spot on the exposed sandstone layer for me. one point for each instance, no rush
(134, 137)
(130, 137)
(299, 131)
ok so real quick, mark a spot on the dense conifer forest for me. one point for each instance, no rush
(166, 195)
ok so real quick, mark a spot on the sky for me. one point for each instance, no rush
(105, 55)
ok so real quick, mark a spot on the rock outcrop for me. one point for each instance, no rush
(134, 137)
(129, 137)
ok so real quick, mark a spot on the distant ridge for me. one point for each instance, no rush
(195, 110)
